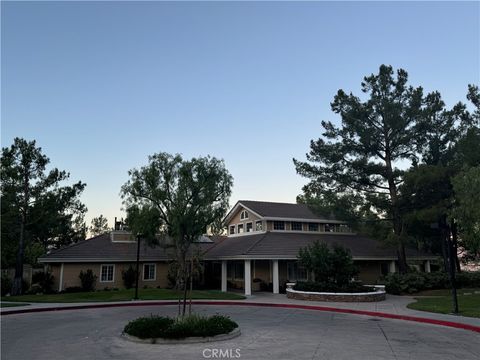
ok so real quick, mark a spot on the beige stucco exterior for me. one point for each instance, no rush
(71, 272)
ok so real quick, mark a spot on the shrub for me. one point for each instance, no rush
(329, 266)
(354, 287)
(414, 282)
(193, 325)
(35, 289)
(73, 289)
(45, 280)
(88, 280)
(6, 284)
(129, 276)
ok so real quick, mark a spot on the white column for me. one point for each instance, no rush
(276, 285)
(247, 276)
(391, 266)
(224, 275)
(60, 281)
(427, 266)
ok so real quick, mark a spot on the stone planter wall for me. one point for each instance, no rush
(378, 295)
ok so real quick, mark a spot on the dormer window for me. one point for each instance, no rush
(297, 226)
(279, 225)
(240, 228)
(232, 229)
(258, 226)
(249, 227)
(244, 215)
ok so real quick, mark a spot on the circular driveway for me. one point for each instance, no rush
(267, 333)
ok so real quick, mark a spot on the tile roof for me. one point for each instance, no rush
(102, 248)
(282, 210)
(286, 245)
(256, 246)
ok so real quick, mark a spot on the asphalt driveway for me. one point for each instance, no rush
(267, 333)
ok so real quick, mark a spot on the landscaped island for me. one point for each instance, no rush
(353, 292)
(334, 273)
(191, 328)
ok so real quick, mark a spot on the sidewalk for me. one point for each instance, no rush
(395, 305)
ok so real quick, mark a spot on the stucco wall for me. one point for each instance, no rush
(71, 273)
(370, 271)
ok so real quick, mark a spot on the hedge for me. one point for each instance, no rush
(414, 282)
(169, 328)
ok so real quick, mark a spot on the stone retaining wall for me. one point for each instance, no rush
(336, 297)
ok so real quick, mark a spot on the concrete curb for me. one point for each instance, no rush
(189, 340)
(243, 303)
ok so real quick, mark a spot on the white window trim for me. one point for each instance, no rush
(243, 229)
(234, 229)
(284, 226)
(246, 227)
(113, 273)
(154, 272)
(296, 222)
(261, 225)
(242, 216)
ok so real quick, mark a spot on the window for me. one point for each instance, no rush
(240, 228)
(244, 215)
(297, 226)
(235, 270)
(279, 225)
(296, 272)
(106, 273)
(149, 272)
(232, 229)
(344, 228)
(312, 227)
(249, 227)
(258, 226)
(329, 228)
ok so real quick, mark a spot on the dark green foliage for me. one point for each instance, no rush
(354, 287)
(414, 282)
(73, 289)
(35, 207)
(6, 284)
(193, 325)
(88, 280)
(129, 276)
(45, 280)
(329, 266)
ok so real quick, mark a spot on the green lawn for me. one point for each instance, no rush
(446, 292)
(2, 304)
(468, 305)
(123, 295)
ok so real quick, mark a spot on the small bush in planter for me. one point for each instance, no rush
(169, 328)
(88, 280)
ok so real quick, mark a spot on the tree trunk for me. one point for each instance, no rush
(397, 218)
(185, 281)
(18, 279)
(454, 230)
(191, 287)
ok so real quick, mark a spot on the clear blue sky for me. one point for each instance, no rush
(100, 86)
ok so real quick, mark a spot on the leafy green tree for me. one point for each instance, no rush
(99, 226)
(32, 198)
(362, 155)
(187, 195)
(328, 265)
(466, 209)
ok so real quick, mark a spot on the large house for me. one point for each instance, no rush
(259, 251)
